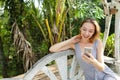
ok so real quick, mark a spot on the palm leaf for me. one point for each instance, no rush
(49, 31)
(23, 47)
(40, 27)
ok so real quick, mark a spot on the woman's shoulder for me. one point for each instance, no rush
(99, 43)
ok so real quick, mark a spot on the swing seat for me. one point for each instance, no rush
(66, 65)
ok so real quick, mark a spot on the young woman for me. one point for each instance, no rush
(91, 63)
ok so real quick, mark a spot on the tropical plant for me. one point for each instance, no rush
(60, 16)
(5, 42)
(110, 46)
(14, 11)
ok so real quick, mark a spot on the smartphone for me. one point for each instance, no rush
(87, 50)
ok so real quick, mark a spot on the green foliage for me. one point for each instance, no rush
(81, 9)
(1, 77)
(8, 47)
(101, 35)
(110, 45)
(43, 48)
(86, 8)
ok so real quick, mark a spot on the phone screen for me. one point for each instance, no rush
(87, 50)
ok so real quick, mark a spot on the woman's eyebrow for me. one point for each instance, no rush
(91, 29)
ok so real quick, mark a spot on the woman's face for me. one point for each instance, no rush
(87, 30)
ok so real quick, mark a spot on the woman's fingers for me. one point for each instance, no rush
(88, 58)
(75, 39)
(85, 58)
(89, 55)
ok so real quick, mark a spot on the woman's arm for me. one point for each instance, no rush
(99, 62)
(64, 45)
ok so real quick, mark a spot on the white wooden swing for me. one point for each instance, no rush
(66, 71)
(73, 71)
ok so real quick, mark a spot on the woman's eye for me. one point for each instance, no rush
(91, 31)
(84, 29)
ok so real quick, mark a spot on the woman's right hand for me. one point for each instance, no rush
(75, 39)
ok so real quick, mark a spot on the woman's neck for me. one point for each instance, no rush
(84, 41)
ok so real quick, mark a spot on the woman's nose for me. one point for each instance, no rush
(87, 33)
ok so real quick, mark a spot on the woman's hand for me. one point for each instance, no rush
(88, 57)
(75, 39)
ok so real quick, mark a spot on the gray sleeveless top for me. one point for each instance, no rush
(90, 72)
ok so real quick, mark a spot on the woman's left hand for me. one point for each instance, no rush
(87, 57)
